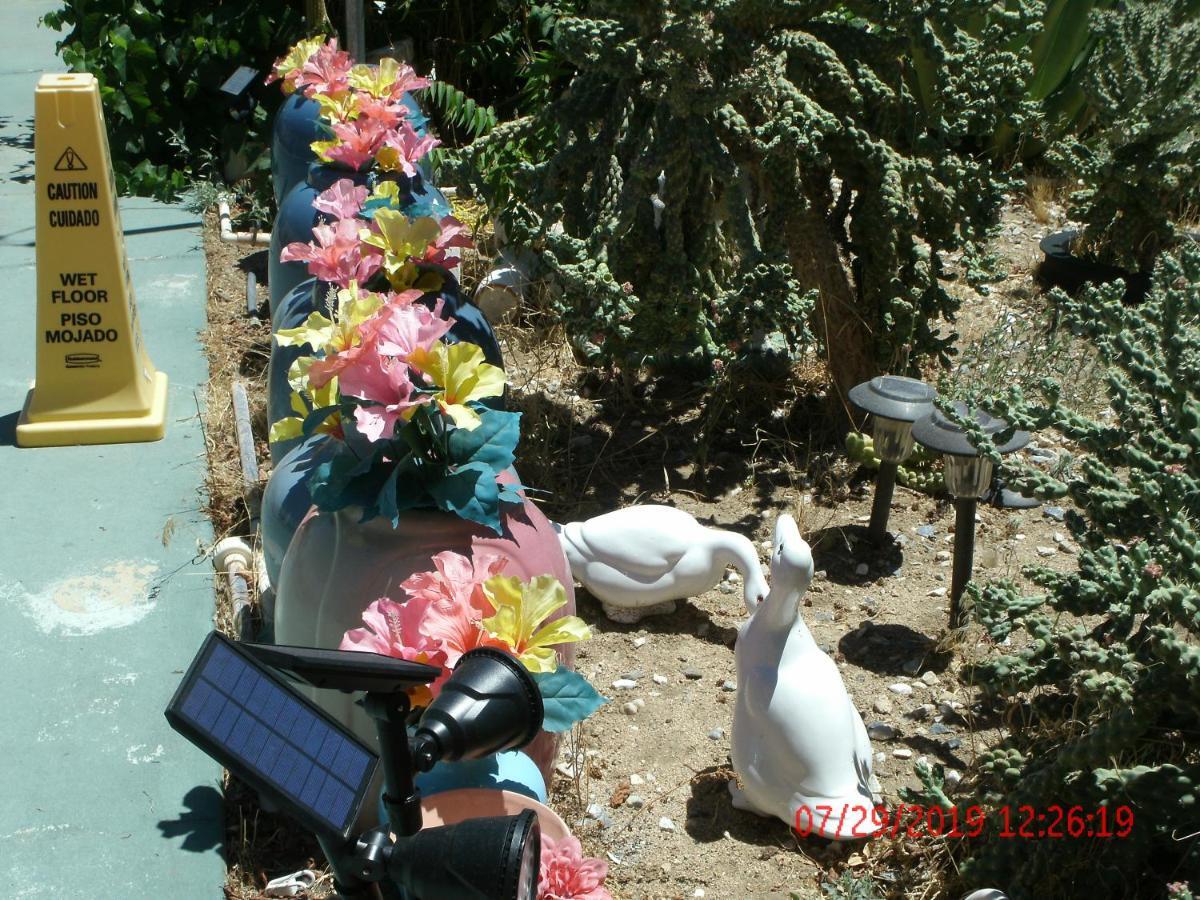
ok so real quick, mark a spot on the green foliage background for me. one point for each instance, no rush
(160, 64)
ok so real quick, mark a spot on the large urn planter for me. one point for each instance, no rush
(336, 566)
(287, 499)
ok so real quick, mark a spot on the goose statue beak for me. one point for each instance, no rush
(756, 592)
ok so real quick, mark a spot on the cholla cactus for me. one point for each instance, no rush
(1107, 684)
(1140, 165)
(732, 172)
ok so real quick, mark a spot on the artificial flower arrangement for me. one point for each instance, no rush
(463, 604)
(362, 106)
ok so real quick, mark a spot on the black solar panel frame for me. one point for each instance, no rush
(244, 773)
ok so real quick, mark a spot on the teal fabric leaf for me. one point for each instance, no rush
(471, 493)
(315, 418)
(567, 696)
(493, 443)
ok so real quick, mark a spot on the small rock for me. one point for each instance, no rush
(726, 588)
(698, 892)
(565, 770)
(634, 675)
(926, 531)
(660, 679)
(630, 709)
(693, 673)
(728, 685)
(600, 814)
(883, 706)
(902, 753)
(880, 731)
(937, 592)
(930, 678)
(939, 728)
(953, 744)
(640, 641)
(666, 824)
(943, 556)
(924, 711)
(639, 702)
(822, 615)
(624, 684)
(862, 569)
(900, 688)
(636, 779)
(733, 576)
(953, 777)
(1057, 513)
(716, 734)
(634, 801)
(1046, 551)
(902, 540)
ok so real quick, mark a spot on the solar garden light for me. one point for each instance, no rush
(895, 402)
(234, 707)
(968, 475)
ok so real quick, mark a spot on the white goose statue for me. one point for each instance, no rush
(798, 742)
(639, 560)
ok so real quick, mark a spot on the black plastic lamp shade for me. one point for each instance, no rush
(967, 473)
(477, 859)
(895, 402)
(489, 704)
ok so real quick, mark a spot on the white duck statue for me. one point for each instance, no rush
(639, 560)
(799, 745)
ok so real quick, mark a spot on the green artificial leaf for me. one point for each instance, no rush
(314, 419)
(471, 493)
(493, 443)
(567, 696)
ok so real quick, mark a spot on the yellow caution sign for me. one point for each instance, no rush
(95, 383)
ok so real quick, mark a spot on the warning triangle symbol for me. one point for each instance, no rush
(70, 161)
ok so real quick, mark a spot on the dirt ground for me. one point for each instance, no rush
(648, 791)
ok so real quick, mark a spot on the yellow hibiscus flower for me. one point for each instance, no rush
(462, 376)
(520, 608)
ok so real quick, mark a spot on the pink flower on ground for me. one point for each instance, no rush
(326, 72)
(454, 234)
(402, 147)
(343, 200)
(567, 875)
(393, 629)
(457, 601)
(338, 255)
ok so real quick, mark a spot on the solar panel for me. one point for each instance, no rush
(272, 737)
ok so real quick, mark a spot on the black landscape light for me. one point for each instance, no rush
(968, 475)
(895, 402)
(237, 710)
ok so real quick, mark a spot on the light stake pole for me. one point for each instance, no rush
(895, 402)
(967, 475)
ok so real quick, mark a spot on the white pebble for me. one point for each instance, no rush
(640, 641)
(900, 688)
(630, 709)
(635, 779)
(902, 753)
(666, 824)
(661, 679)
(938, 592)
(624, 683)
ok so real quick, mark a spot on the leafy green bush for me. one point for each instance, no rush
(732, 178)
(1105, 677)
(160, 64)
(1140, 163)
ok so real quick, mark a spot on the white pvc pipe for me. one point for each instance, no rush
(234, 557)
(254, 238)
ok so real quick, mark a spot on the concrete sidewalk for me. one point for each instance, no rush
(104, 591)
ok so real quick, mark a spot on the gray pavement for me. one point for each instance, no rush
(104, 591)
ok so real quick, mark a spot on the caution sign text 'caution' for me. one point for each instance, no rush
(95, 383)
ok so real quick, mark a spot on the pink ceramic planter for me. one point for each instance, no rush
(335, 567)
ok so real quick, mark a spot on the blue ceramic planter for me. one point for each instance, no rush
(286, 500)
(297, 125)
(507, 771)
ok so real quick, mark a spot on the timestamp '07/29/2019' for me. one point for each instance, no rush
(914, 821)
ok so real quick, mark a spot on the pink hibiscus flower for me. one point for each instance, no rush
(326, 72)
(388, 384)
(407, 79)
(359, 141)
(456, 601)
(567, 875)
(410, 147)
(393, 629)
(338, 256)
(385, 112)
(402, 325)
(343, 200)
(454, 234)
